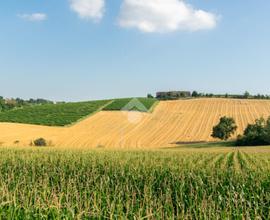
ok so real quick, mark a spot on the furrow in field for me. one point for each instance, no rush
(221, 161)
(230, 160)
(252, 163)
(209, 159)
(242, 161)
(236, 163)
(171, 123)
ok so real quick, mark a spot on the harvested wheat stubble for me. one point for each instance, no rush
(171, 122)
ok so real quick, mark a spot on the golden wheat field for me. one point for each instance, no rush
(171, 123)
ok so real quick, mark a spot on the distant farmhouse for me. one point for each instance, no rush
(173, 95)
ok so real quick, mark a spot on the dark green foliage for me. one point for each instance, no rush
(256, 134)
(149, 96)
(120, 104)
(225, 129)
(246, 95)
(40, 142)
(195, 94)
(52, 114)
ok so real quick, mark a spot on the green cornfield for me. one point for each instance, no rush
(225, 183)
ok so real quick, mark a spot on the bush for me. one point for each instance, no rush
(40, 142)
(225, 129)
(256, 134)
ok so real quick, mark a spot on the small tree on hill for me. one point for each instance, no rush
(225, 129)
(149, 96)
(246, 95)
(195, 94)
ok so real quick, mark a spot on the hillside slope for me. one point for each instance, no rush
(53, 114)
(172, 122)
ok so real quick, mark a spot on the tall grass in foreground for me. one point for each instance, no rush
(51, 184)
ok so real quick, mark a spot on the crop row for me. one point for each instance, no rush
(52, 114)
(133, 185)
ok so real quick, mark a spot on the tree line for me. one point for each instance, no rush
(245, 95)
(9, 104)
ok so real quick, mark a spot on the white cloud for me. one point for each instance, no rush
(88, 9)
(164, 16)
(33, 17)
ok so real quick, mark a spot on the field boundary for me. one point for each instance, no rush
(87, 116)
(153, 107)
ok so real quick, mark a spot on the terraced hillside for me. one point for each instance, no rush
(171, 123)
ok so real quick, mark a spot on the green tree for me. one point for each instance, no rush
(246, 95)
(256, 134)
(195, 94)
(224, 129)
(149, 96)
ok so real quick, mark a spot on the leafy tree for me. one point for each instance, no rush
(256, 134)
(195, 94)
(225, 129)
(149, 96)
(246, 95)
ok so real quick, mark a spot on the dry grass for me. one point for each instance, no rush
(171, 122)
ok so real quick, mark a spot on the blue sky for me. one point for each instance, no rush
(54, 50)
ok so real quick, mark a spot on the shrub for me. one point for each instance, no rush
(225, 129)
(40, 142)
(256, 134)
(16, 142)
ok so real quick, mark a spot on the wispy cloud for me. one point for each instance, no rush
(33, 17)
(164, 16)
(88, 9)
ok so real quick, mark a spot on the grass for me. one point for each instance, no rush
(164, 184)
(52, 114)
(139, 104)
(203, 144)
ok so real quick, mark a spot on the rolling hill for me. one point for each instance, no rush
(171, 123)
(53, 114)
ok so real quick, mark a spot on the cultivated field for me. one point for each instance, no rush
(131, 104)
(53, 114)
(171, 123)
(214, 183)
